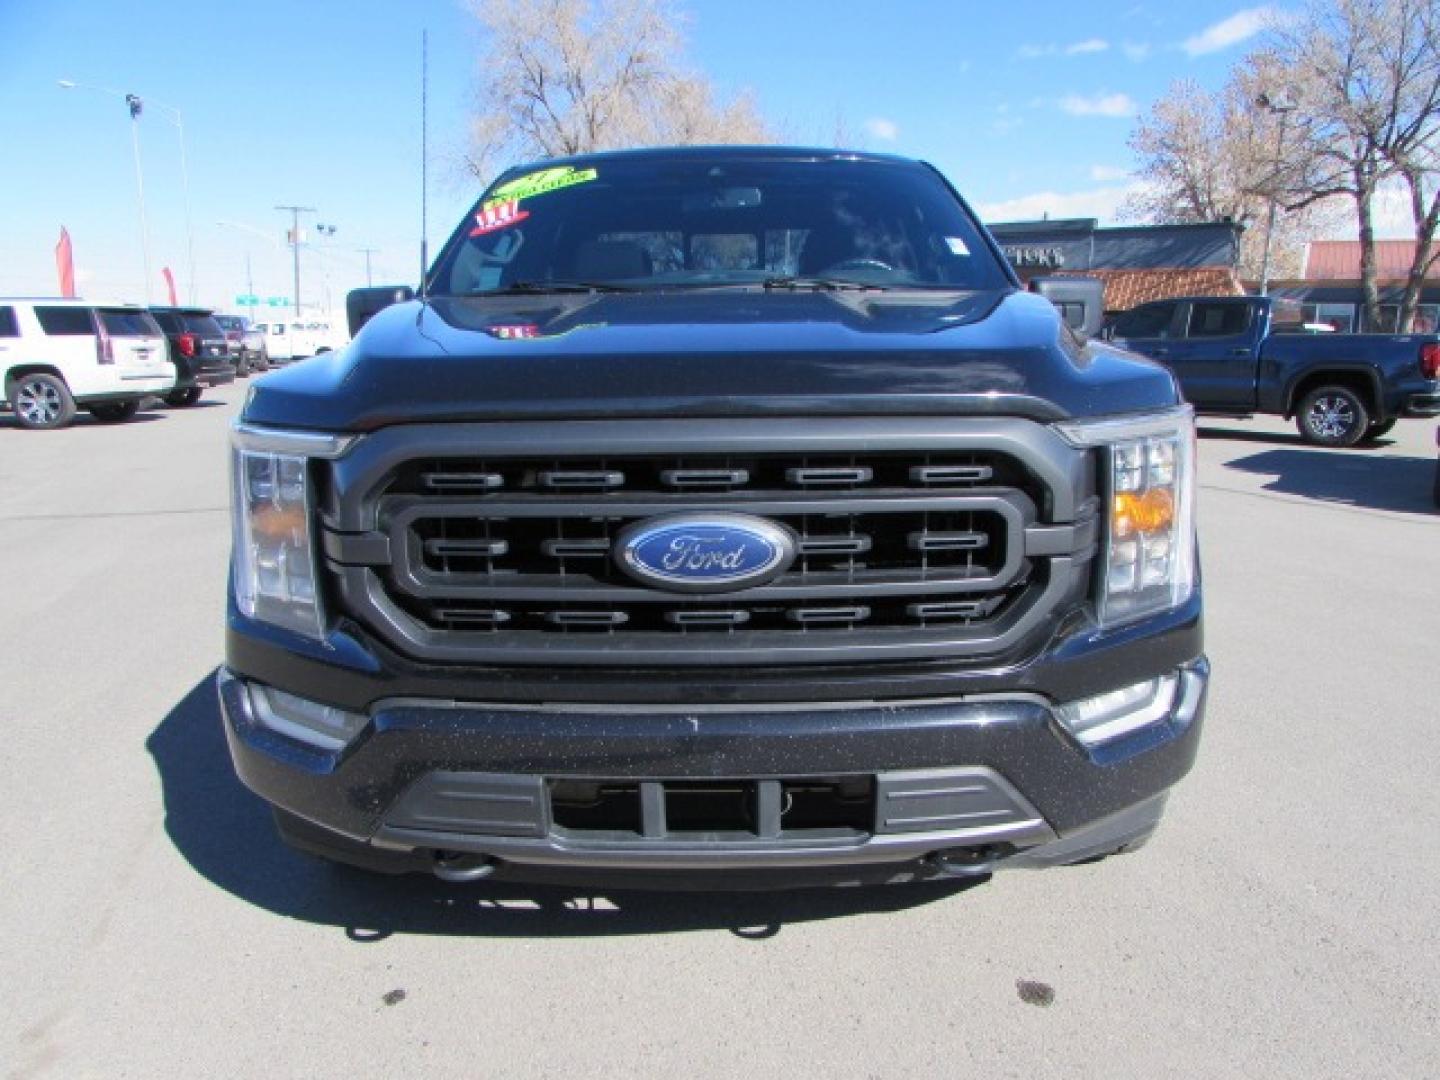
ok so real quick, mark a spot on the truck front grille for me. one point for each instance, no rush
(508, 556)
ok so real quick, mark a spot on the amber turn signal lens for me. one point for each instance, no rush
(278, 524)
(1150, 512)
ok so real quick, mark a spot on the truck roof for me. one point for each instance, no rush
(719, 153)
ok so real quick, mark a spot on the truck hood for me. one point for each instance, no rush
(723, 353)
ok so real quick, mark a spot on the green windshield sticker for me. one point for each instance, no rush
(539, 183)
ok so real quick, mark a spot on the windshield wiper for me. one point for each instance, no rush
(528, 287)
(795, 281)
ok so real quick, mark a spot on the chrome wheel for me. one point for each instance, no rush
(1331, 418)
(40, 400)
(38, 404)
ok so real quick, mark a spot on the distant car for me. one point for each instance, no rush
(198, 350)
(278, 346)
(57, 355)
(247, 345)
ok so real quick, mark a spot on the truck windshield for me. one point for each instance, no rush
(655, 223)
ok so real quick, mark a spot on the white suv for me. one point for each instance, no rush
(56, 355)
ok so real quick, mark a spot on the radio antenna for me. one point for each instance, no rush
(424, 164)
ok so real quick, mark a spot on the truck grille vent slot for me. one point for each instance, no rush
(833, 545)
(951, 474)
(576, 549)
(461, 481)
(694, 478)
(947, 541)
(830, 476)
(581, 480)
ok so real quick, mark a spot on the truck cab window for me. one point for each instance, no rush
(1150, 321)
(1218, 320)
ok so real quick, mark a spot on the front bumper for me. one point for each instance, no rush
(986, 781)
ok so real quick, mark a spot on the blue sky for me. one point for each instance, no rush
(1027, 107)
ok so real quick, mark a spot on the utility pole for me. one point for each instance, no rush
(295, 212)
(372, 251)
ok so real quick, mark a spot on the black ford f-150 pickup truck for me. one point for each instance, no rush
(719, 515)
(1236, 356)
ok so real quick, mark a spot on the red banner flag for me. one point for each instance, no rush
(65, 264)
(170, 284)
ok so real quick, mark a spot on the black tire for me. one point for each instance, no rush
(114, 412)
(181, 398)
(1333, 416)
(41, 402)
(1378, 431)
(243, 368)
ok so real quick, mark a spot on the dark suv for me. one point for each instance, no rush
(725, 515)
(198, 350)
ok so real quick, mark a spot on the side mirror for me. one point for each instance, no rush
(361, 305)
(1080, 300)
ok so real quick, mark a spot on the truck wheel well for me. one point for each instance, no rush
(1361, 383)
(19, 371)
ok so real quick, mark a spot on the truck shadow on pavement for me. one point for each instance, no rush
(1348, 477)
(225, 833)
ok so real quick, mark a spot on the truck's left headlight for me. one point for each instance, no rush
(1148, 482)
(274, 551)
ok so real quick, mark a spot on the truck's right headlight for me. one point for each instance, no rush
(274, 551)
(1149, 486)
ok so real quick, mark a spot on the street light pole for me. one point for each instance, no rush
(295, 212)
(136, 106)
(1281, 107)
(185, 182)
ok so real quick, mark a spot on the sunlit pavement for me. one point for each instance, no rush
(1281, 923)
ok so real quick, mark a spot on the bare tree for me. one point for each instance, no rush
(562, 77)
(1221, 157)
(1366, 81)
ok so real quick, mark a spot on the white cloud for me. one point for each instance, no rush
(1135, 50)
(1106, 173)
(1239, 27)
(1075, 48)
(880, 128)
(1103, 203)
(1098, 105)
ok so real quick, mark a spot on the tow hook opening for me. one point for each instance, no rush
(967, 861)
(459, 866)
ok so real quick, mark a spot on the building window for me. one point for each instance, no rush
(1339, 317)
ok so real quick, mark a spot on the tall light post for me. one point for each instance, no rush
(185, 182)
(135, 106)
(1282, 107)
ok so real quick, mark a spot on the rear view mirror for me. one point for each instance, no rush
(1080, 301)
(361, 305)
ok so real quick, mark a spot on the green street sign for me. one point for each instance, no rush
(246, 300)
(278, 301)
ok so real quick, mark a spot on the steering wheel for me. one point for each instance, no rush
(857, 264)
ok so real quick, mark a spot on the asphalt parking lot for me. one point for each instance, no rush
(1283, 922)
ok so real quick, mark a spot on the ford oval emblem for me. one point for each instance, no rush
(705, 552)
